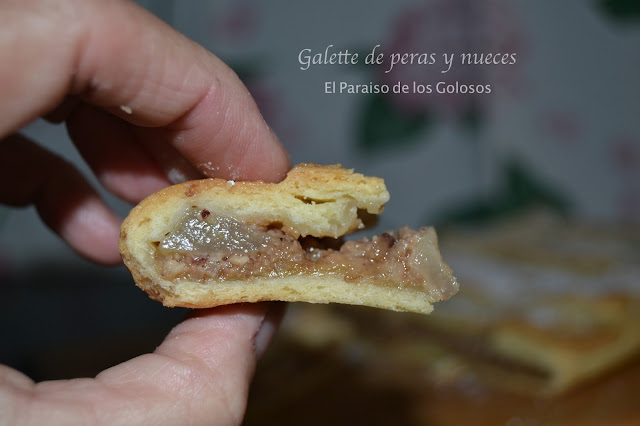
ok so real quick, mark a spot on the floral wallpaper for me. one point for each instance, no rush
(560, 120)
(559, 126)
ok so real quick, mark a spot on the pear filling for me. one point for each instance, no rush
(204, 247)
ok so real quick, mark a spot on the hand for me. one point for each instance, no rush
(142, 104)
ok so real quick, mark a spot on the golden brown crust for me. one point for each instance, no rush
(320, 201)
(589, 336)
(559, 296)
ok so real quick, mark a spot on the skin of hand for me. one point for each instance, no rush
(144, 106)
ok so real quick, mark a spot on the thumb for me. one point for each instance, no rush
(200, 374)
(205, 365)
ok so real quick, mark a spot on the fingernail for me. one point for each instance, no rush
(268, 328)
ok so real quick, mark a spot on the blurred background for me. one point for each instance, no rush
(558, 133)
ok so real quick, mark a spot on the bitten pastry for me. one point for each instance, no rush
(213, 242)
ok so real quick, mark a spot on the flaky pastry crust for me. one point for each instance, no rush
(313, 200)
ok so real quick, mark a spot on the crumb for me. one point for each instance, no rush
(209, 166)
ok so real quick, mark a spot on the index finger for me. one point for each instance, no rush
(117, 56)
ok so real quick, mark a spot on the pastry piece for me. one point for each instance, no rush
(213, 242)
(547, 306)
(570, 340)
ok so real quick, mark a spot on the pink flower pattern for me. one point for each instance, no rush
(238, 23)
(454, 27)
(625, 158)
